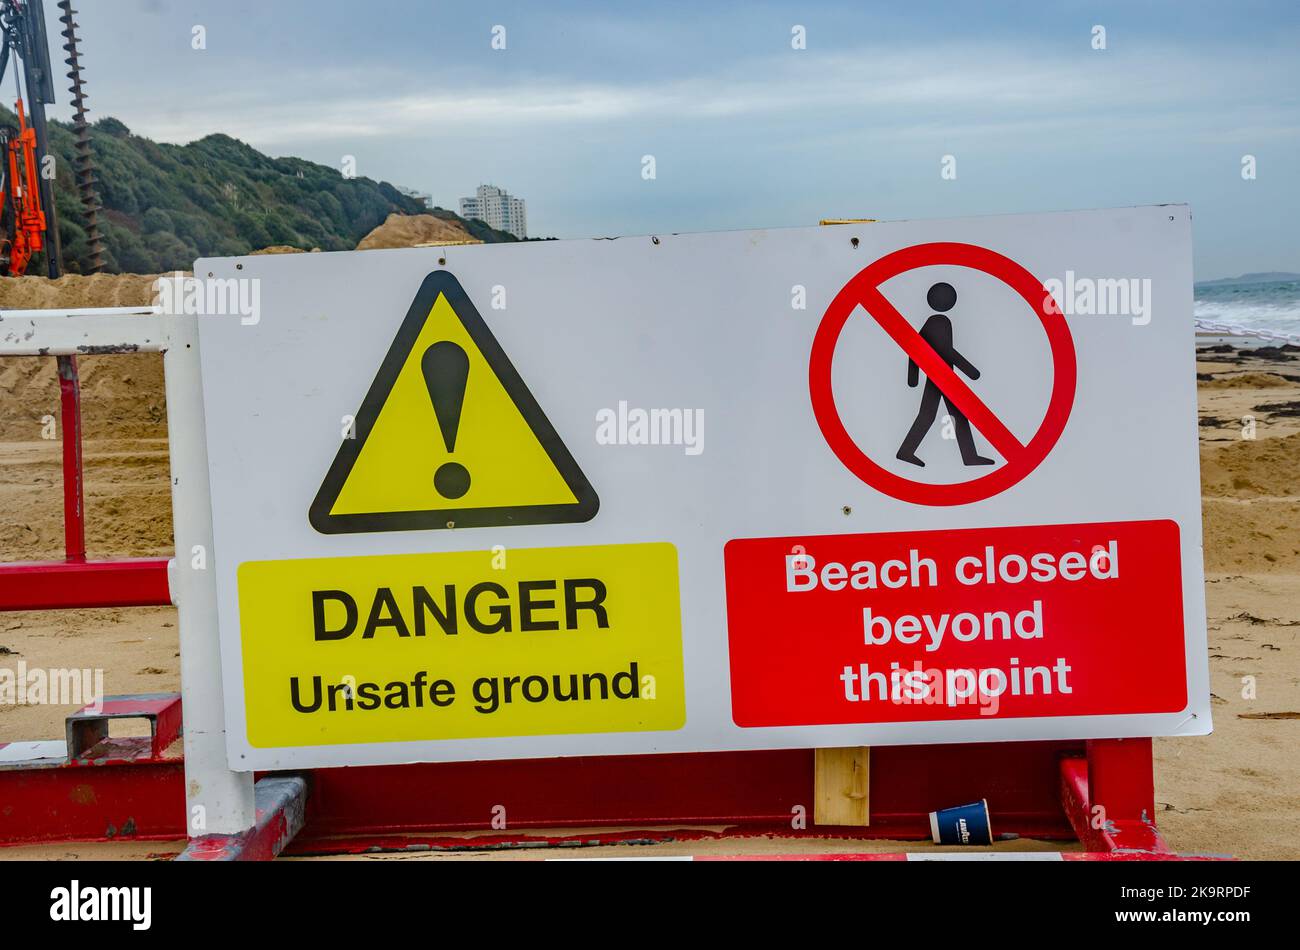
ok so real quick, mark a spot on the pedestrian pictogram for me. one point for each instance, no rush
(937, 332)
(933, 352)
(449, 435)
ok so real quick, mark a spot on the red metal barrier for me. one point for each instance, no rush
(76, 581)
(1109, 797)
(74, 511)
(1097, 792)
(55, 585)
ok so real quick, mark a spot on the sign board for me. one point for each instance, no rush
(911, 482)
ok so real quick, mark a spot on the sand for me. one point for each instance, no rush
(283, 249)
(1233, 792)
(414, 230)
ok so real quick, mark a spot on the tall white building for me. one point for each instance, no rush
(498, 209)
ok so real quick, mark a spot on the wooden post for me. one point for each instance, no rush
(842, 777)
(841, 787)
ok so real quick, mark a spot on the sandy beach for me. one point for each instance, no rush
(1228, 793)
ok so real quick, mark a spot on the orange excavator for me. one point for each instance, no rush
(20, 197)
(28, 223)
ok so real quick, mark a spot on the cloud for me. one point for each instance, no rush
(953, 87)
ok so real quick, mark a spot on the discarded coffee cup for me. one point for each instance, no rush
(965, 824)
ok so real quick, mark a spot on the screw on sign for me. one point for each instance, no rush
(933, 353)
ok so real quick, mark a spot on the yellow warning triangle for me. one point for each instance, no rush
(449, 436)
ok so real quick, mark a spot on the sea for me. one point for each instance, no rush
(1268, 304)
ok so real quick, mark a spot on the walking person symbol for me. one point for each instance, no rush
(937, 332)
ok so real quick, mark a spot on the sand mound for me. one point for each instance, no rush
(283, 249)
(76, 290)
(1250, 506)
(1247, 381)
(1256, 537)
(122, 395)
(1250, 468)
(411, 230)
(124, 423)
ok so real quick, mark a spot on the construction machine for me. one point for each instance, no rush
(28, 219)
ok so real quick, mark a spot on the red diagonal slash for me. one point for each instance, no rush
(937, 371)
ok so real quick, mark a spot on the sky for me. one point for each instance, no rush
(746, 130)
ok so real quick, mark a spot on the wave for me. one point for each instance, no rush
(1283, 317)
(1270, 305)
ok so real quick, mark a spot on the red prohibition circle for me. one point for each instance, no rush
(864, 290)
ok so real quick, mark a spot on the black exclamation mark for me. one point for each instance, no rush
(446, 371)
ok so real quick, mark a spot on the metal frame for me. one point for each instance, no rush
(96, 788)
(77, 581)
(218, 801)
(117, 788)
